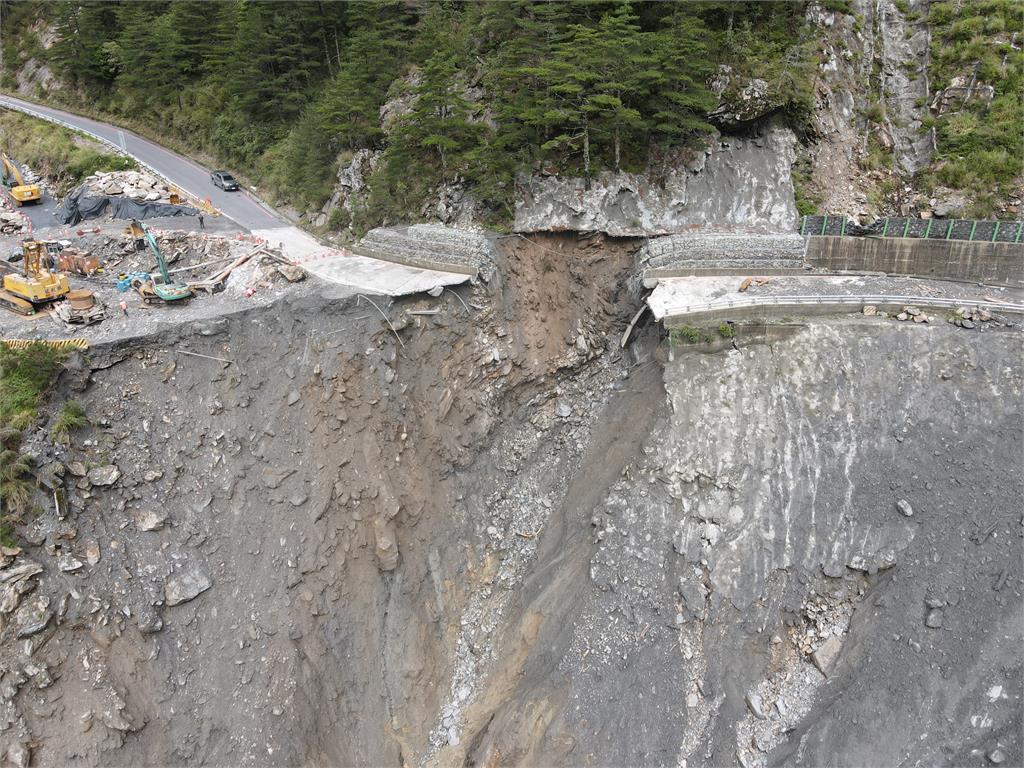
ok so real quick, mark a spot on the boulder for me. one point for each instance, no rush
(948, 203)
(186, 585)
(148, 519)
(33, 616)
(825, 656)
(293, 273)
(741, 99)
(104, 476)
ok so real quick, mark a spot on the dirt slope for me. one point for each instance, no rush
(490, 537)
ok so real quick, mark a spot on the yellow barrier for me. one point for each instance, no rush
(81, 344)
(206, 205)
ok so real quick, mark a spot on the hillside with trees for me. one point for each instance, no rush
(476, 92)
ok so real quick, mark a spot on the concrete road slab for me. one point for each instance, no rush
(338, 265)
(680, 296)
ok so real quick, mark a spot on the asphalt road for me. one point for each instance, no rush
(340, 266)
(182, 171)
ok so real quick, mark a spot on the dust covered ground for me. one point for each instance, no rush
(483, 534)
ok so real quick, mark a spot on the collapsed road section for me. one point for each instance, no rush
(471, 528)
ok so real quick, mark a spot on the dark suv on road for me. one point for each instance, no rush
(224, 180)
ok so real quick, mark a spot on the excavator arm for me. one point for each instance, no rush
(156, 251)
(20, 191)
(11, 171)
(167, 290)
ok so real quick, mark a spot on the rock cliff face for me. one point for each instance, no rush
(872, 95)
(759, 594)
(903, 52)
(742, 183)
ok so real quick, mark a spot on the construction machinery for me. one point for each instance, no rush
(36, 284)
(153, 289)
(20, 191)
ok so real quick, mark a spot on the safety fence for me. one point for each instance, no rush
(974, 230)
(81, 344)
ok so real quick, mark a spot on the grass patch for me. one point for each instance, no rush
(686, 333)
(71, 416)
(25, 375)
(980, 142)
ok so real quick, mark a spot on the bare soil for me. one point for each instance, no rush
(490, 536)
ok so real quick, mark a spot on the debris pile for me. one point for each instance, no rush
(965, 317)
(913, 313)
(122, 253)
(11, 223)
(137, 185)
(272, 265)
(18, 578)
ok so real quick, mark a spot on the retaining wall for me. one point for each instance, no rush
(995, 263)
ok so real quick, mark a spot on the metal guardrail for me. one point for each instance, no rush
(822, 300)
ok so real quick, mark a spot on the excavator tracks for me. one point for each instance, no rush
(16, 304)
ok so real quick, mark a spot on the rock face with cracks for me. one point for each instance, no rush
(483, 534)
(739, 183)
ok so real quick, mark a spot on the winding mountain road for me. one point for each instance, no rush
(332, 264)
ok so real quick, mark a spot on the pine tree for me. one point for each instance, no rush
(679, 97)
(370, 60)
(439, 122)
(82, 32)
(596, 76)
(520, 40)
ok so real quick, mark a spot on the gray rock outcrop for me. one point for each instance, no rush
(904, 58)
(736, 183)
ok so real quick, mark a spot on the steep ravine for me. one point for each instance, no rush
(755, 519)
(491, 537)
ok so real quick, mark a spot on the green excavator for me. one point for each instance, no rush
(154, 289)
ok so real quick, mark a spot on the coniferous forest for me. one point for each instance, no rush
(283, 91)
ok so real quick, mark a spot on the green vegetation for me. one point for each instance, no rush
(25, 374)
(838, 6)
(808, 198)
(980, 143)
(71, 416)
(279, 91)
(55, 152)
(726, 330)
(686, 333)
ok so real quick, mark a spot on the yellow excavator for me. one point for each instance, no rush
(36, 284)
(20, 191)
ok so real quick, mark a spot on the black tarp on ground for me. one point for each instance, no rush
(77, 207)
